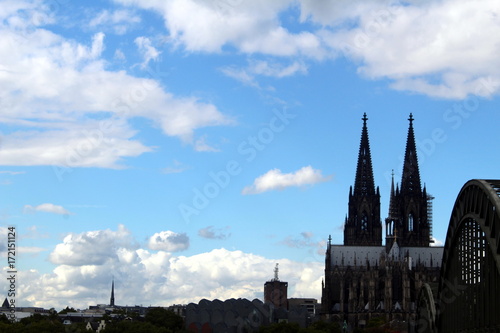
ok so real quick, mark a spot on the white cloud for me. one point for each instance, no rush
(264, 68)
(169, 241)
(335, 13)
(434, 48)
(88, 144)
(92, 247)
(148, 51)
(53, 89)
(47, 208)
(437, 48)
(119, 21)
(437, 242)
(278, 70)
(250, 26)
(86, 263)
(142, 277)
(211, 232)
(202, 146)
(276, 180)
(119, 55)
(241, 75)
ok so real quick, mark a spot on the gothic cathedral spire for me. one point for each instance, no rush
(408, 211)
(410, 183)
(363, 225)
(364, 184)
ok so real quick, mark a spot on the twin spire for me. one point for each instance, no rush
(407, 207)
(410, 181)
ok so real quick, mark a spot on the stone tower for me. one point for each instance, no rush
(362, 225)
(276, 291)
(363, 278)
(408, 206)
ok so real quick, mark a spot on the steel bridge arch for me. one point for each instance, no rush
(468, 299)
(479, 200)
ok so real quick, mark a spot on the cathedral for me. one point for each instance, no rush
(365, 278)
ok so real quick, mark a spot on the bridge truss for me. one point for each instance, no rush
(468, 299)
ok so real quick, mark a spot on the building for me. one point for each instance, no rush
(363, 277)
(96, 326)
(310, 304)
(232, 315)
(239, 315)
(276, 291)
(17, 313)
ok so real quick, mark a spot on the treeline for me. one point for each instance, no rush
(157, 320)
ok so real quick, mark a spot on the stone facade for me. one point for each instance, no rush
(363, 278)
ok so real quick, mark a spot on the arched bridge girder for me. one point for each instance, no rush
(469, 287)
(426, 312)
(479, 200)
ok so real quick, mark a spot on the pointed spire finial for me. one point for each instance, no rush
(411, 119)
(392, 202)
(365, 118)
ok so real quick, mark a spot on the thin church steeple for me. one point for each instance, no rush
(112, 299)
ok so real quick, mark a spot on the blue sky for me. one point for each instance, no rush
(184, 147)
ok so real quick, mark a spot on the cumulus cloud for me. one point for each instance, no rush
(54, 89)
(434, 48)
(447, 54)
(211, 232)
(250, 26)
(169, 241)
(86, 263)
(47, 208)
(91, 247)
(276, 180)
